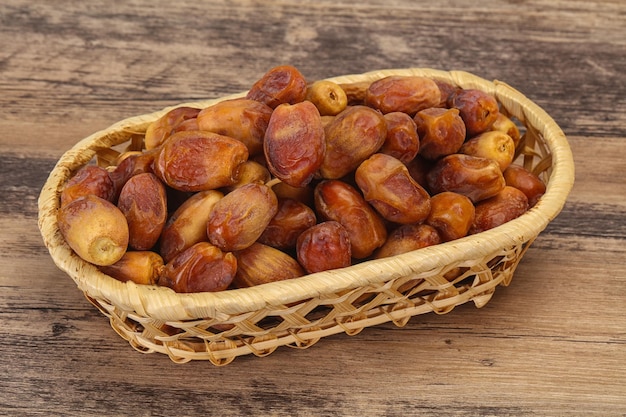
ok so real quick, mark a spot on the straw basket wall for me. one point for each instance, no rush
(221, 326)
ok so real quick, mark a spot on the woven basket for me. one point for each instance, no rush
(221, 326)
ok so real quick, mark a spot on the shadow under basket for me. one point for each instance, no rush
(221, 326)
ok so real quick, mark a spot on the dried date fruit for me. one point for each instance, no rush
(355, 92)
(241, 216)
(95, 229)
(446, 90)
(407, 238)
(140, 267)
(262, 264)
(402, 140)
(199, 268)
(324, 246)
(338, 201)
(506, 125)
(419, 168)
(133, 164)
(164, 126)
(353, 136)
(441, 132)
(294, 143)
(387, 185)
(199, 160)
(505, 206)
(494, 145)
(242, 119)
(250, 172)
(407, 94)
(475, 177)
(187, 225)
(478, 109)
(90, 179)
(451, 214)
(329, 98)
(524, 180)
(291, 219)
(144, 204)
(281, 84)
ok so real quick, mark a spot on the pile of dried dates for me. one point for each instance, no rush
(297, 178)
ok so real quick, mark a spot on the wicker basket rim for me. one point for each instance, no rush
(164, 304)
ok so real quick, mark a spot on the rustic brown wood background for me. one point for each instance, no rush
(553, 343)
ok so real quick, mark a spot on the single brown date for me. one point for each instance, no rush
(291, 219)
(524, 180)
(242, 119)
(90, 179)
(261, 264)
(505, 206)
(199, 160)
(475, 177)
(294, 143)
(494, 145)
(402, 140)
(144, 204)
(407, 94)
(241, 216)
(95, 229)
(353, 136)
(387, 185)
(161, 129)
(441, 132)
(451, 214)
(338, 201)
(407, 238)
(506, 125)
(140, 267)
(200, 268)
(329, 98)
(187, 225)
(324, 246)
(250, 172)
(478, 109)
(281, 84)
(132, 164)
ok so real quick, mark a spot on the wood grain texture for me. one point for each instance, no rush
(552, 343)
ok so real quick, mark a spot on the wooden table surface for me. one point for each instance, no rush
(552, 343)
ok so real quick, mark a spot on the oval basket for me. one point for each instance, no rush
(221, 326)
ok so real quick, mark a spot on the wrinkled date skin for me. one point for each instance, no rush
(530, 184)
(353, 136)
(200, 268)
(281, 84)
(242, 119)
(250, 172)
(187, 225)
(140, 267)
(291, 219)
(294, 143)
(198, 160)
(475, 177)
(451, 214)
(324, 246)
(134, 164)
(407, 94)
(241, 216)
(144, 204)
(506, 125)
(494, 145)
(507, 205)
(90, 179)
(338, 201)
(478, 109)
(261, 264)
(408, 237)
(162, 128)
(441, 131)
(95, 229)
(402, 140)
(387, 185)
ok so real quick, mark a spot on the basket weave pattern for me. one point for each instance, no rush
(221, 326)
